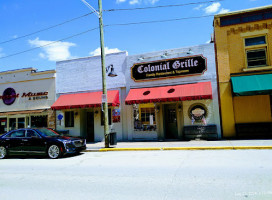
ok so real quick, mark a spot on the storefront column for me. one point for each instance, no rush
(160, 122)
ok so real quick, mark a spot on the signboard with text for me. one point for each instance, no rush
(170, 68)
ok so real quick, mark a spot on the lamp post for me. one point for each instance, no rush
(104, 87)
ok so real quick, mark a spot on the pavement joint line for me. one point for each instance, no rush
(180, 148)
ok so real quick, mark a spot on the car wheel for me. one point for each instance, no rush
(3, 152)
(54, 151)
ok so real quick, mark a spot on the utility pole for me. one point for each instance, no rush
(104, 87)
(104, 95)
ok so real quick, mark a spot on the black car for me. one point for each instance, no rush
(42, 141)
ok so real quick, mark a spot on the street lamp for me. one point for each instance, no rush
(104, 87)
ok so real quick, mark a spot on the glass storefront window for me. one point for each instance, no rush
(144, 117)
(3, 125)
(12, 124)
(39, 121)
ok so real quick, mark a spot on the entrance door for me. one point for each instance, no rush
(90, 127)
(170, 118)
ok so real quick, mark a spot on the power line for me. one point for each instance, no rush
(159, 21)
(110, 10)
(165, 6)
(21, 52)
(45, 29)
(109, 25)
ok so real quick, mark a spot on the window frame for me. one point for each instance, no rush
(147, 122)
(256, 48)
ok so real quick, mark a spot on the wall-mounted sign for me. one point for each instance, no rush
(175, 67)
(116, 115)
(9, 96)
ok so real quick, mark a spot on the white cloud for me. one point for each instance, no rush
(213, 8)
(132, 2)
(53, 52)
(198, 7)
(107, 51)
(223, 10)
(120, 1)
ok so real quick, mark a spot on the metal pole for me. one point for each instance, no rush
(105, 99)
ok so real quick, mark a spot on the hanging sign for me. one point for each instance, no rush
(175, 67)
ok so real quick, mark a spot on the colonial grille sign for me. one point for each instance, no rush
(170, 68)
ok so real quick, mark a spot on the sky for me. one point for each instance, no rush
(38, 33)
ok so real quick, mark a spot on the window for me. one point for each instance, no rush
(244, 18)
(30, 133)
(147, 115)
(16, 134)
(69, 119)
(109, 117)
(256, 51)
(144, 117)
(39, 121)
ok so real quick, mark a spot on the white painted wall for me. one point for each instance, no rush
(84, 74)
(25, 81)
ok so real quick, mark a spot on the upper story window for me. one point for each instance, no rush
(256, 51)
(246, 17)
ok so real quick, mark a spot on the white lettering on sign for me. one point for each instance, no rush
(164, 67)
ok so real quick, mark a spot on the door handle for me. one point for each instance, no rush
(24, 140)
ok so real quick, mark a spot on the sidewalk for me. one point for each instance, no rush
(182, 145)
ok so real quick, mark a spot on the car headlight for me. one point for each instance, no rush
(66, 143)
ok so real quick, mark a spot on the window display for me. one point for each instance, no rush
(144, 117)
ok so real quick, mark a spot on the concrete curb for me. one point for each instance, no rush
(180, 148)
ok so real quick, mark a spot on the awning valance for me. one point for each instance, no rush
(23, 112)
(252, 85)
(85, 100)
(195, 91)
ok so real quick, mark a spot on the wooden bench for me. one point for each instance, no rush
(208, 132)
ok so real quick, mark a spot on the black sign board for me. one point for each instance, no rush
(170, 68)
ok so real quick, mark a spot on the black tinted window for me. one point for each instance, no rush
(17, 134)
(31, 133)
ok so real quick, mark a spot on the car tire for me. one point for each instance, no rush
(54, 151)
(3, 152)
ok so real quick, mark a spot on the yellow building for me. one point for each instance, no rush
(243, 42)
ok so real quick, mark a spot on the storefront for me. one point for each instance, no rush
(245, 72)
(79, 96)
(172, 95)
(26, 98)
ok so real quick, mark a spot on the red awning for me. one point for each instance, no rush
(85, 100)
(195, 91)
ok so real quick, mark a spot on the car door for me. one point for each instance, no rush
(14, 141)
(34, 143)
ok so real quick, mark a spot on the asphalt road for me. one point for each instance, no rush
(158, 175)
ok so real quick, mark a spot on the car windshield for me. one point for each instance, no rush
(47, 132)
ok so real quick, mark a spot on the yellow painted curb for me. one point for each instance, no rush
(198, 148)
(253, 147)
(131, 149)
(182, 148)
